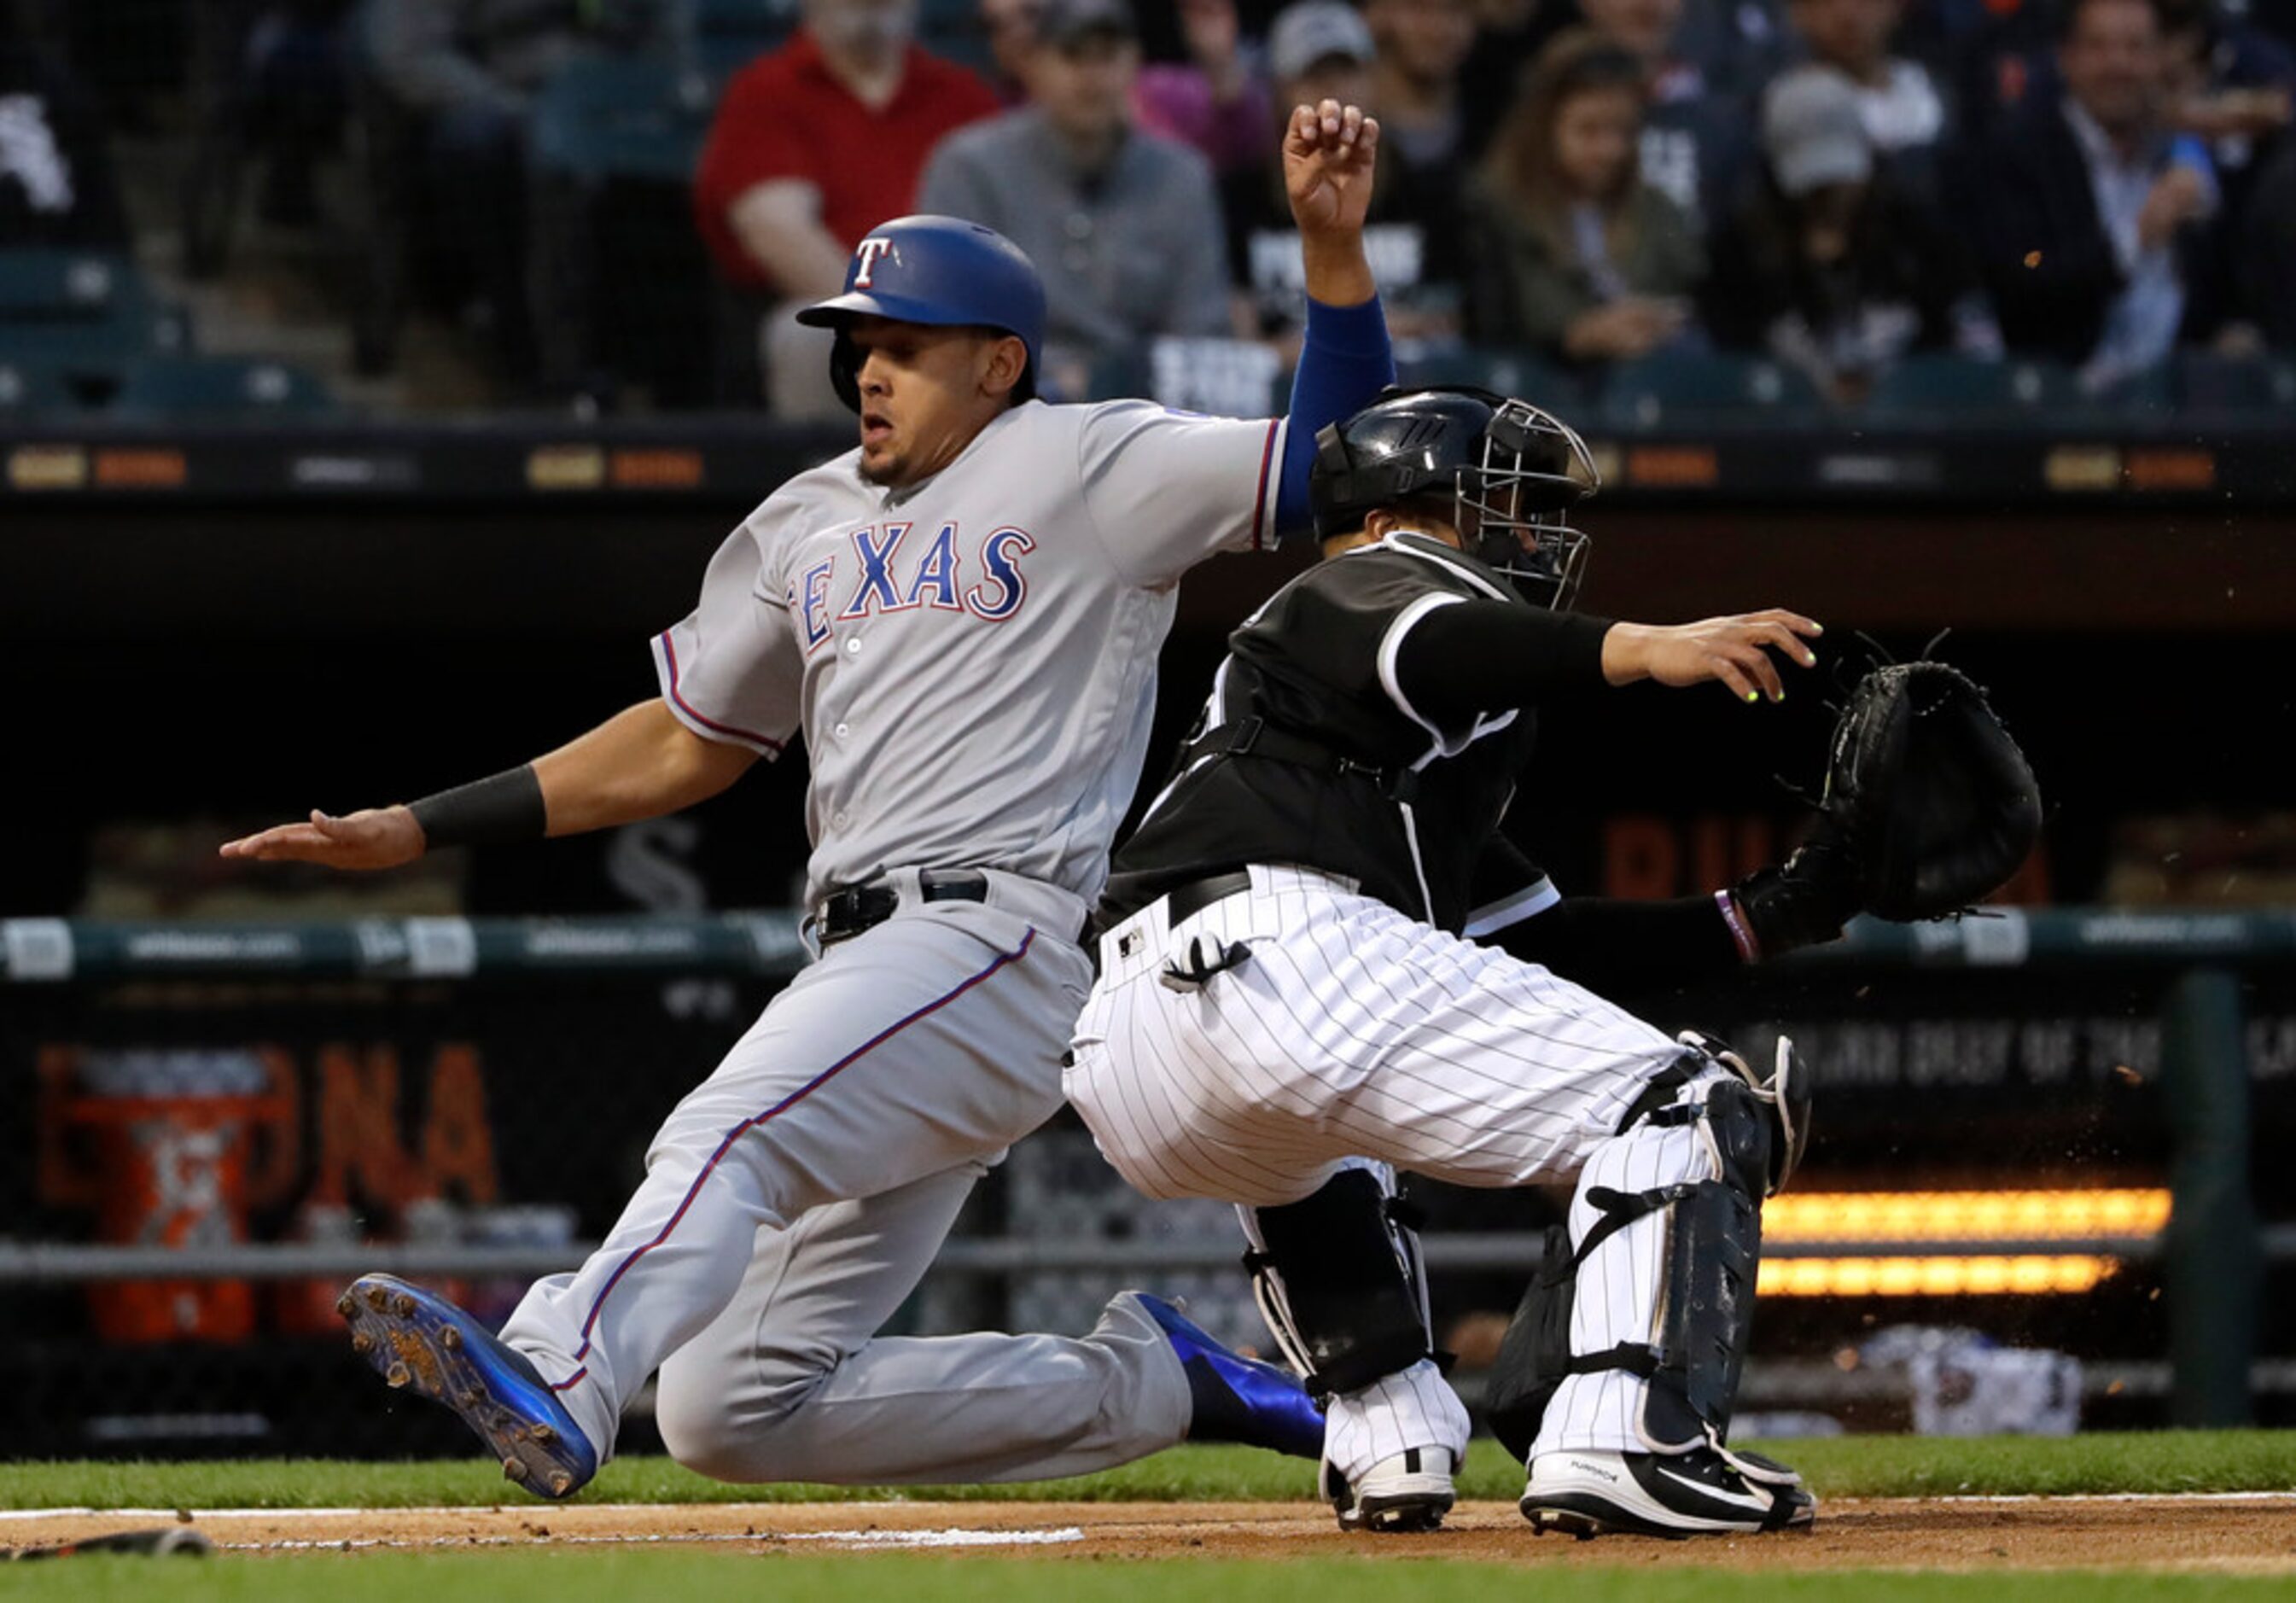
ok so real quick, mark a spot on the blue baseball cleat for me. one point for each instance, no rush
(1238, 1398)
(418, 1340)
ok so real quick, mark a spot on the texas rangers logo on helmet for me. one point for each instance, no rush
(865, 255)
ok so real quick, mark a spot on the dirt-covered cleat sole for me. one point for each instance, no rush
(1702, 1493)
(420, 1343)
(1407, 1493)
(1235, 1398)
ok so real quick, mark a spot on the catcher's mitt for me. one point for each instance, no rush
(1929, 806)
(1927, 797)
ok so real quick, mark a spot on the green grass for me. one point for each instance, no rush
(1837, 1466)
(560, 1578)
(1856, 1466)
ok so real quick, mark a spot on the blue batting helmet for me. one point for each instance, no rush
(940, 271)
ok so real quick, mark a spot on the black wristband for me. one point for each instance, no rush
(507, 806)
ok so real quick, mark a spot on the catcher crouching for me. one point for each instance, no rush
(1321, 963)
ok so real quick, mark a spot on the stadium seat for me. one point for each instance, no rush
(1706, 388)
(1518, 372)
(727, 35)
(1938, 389)
(953, 30)
(1115, 374)
(1225, 378)
(74, 286)
(757, 19)
(31, 390)
(81, 304)
(229, 387)
(2206, 383)
(622, 117)
(2146, 396)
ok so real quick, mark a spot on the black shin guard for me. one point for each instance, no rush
(1339, 1278)
(1706, 1306)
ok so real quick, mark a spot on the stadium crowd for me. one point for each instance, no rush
(621, 199)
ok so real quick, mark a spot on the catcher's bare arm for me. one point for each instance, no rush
(640, 763)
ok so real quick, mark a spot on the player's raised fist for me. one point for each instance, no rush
(1329, 154)
(379, 837)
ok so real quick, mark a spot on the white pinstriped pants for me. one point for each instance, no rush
(1352, 1031)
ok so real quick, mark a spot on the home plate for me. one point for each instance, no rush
(952, 1537)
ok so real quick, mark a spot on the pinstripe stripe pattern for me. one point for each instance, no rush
(1416, 1408)
(1353, 1030)
(1621, 1282)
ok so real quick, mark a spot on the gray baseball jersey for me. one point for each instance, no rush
(971, 660)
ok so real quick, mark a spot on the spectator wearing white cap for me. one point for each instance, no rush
(1831, 264)
(1319, 50)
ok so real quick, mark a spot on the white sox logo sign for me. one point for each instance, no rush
(865, 255)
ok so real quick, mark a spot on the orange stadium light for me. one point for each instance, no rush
(1849, 1216)
(1932, 1277)
(1959, 1222)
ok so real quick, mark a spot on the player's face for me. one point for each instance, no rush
(925, 392)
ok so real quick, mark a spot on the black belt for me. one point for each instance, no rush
(1187, 900)
(843, 914)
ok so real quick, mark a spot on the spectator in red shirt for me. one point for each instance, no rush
(812, 145)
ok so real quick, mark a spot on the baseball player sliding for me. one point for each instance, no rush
(1321, 962)
(962, 617)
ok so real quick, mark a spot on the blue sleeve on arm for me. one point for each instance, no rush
(1344, 363)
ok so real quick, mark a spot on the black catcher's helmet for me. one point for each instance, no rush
(1512, 473)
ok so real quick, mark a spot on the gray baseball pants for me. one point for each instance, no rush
(797, 1196)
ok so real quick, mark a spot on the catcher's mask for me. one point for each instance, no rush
(1511, 470)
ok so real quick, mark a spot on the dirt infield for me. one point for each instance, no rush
(2233, 1534)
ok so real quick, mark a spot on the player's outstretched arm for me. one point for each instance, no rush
(1734, 651)
(641, 763)
(1330, 157)
(375, 837)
